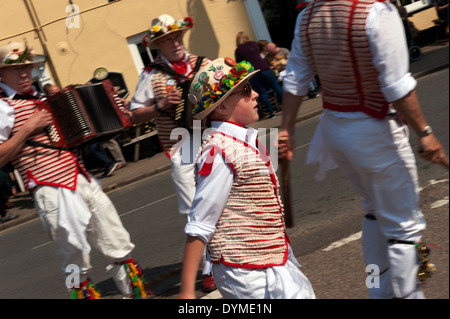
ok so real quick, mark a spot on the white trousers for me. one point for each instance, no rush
(183, 176)
(278, 282)
(377, 158)
(77, 220)
(183, 155)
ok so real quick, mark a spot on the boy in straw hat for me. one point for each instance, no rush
(70, 203)
(236, 211)
(157, 97)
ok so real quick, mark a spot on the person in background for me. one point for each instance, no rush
(101, 155)
(247, 50)
(6, 187)
(157, 97)
(276, 57)
(442, 11)
(263, 47)
(51, 89)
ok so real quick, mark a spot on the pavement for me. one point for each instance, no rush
(435, 57)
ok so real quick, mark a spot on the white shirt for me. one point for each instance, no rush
(6, 114)
(213, 190)
(385, 32)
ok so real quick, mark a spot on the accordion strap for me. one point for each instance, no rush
(168, 70)
(36, 143)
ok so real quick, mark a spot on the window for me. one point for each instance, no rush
(142, 55)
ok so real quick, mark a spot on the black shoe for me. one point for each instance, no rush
(313, 95)
(110, 170)
(8, 216)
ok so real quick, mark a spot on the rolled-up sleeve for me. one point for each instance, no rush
(210, 198)
(144, 92)
(298, 71)
(390, 51)
(7, 120)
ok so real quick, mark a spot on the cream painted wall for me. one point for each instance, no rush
(101, 38)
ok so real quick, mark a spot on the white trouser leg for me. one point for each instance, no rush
(122, 280)
(374, 247)
(184, 180)
(377, 158)
(404, 267)
(100, 226)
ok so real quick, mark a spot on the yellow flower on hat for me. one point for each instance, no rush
(156, 28)
(208, 103)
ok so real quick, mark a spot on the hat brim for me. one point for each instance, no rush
(152, 45)
(35, 63)
(203, 114)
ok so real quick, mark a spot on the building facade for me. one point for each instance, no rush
(78, 36)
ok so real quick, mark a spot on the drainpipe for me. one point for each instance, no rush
(257, 20)
(42, 39)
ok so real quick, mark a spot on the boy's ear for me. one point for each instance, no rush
(222, 109)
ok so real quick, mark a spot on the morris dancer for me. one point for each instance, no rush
(72, 207)
(358, 50)
(156, 98)
(236, 211)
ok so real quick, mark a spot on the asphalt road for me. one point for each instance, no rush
(325, 214)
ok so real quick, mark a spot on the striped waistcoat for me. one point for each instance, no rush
(334, 40)
(250, 232)
(165, 123)
(43, 165)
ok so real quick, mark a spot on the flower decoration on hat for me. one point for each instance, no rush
(214, 92)
(159, 30)
(19, 57)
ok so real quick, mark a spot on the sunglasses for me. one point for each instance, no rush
(246, 90)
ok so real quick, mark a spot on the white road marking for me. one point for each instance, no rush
(440, 203)
(344, 241)
(123, 214)
(42, 245)
(357, 235)
(433, 182)
(148, 205)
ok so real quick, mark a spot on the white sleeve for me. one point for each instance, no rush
(210, 198)
(143, 95)
(390, 51)
(6, 120)
(298, 71)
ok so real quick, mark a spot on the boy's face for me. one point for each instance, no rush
(245, 104)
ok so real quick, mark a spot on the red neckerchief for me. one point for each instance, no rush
(180, 67)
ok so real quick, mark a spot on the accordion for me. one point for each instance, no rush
(183, 111)
(85, 114)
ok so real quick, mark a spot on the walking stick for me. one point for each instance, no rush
(445, 162)
(286, 187)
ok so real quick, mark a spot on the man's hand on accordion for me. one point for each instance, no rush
(125, 108)
(172, 98)
(38, 121)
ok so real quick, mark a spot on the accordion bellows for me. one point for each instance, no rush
(85, 114)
